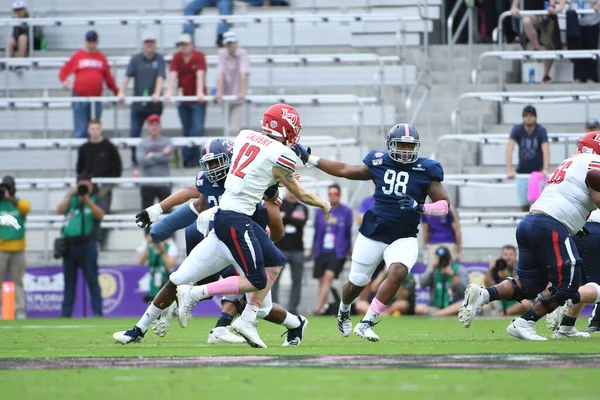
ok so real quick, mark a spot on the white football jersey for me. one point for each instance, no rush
(566, 196)
(251, 172)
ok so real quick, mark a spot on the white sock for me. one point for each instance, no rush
(199, 292)
(370, 316)
(344, 307)
(291, 321)
(486, 296)
(249, 313)
(152, 313)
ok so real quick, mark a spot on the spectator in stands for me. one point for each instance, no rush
(233, 68)
(447, 281)
(154, 154)
(331, 245)
(294, 215)
(586, 69)
(91, 69)
(541, 29)
(12, 242)
(442, 232)
(499, 270)
(83, 210)
(592, 125)
(534, 152)
(18, 43)
(99, 158)
(188, 66)
(507, 23)
(194, 7)
(147, 68)
(161, 258)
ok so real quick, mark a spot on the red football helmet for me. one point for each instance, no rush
(282, 120)
(589, 143)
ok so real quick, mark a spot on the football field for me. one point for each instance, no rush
(417, 358)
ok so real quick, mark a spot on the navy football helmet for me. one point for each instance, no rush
(403, 143)
(216, 159)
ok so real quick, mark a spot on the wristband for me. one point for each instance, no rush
(313, 160)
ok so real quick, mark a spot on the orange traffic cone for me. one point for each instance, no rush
(8, 301)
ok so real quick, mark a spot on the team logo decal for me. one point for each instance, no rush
(273, 124)
(291, 118)
(379, 154)
(377, 161)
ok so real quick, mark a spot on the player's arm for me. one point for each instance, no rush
(302, 194)
(335, 168)
(510, 147)
(180, 197)
(275, 221)
(439, 200)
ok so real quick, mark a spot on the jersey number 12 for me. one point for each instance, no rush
(395, 182)
(250, 152)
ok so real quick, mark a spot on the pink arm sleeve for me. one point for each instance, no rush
(437, 209)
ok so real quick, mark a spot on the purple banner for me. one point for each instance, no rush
(123, 289)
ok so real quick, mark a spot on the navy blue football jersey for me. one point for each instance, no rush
(385, 221)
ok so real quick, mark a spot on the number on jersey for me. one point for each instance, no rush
(395, 183)
(213, 201)
(250, 152)
(559, 173)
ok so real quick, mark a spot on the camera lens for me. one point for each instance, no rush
(82, 190)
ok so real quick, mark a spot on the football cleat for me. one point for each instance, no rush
(160, 326)
(186, 303)
(344, 323)
(364, 329)
(522, 329)
(133, 335)
(555, 317)
(294, 336)
(222, 334)
(474, 299)
(567, 335)
(593, 328)
(248, 330)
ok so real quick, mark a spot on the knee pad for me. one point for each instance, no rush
(265, 307)
(518, 293)
(557, 298)
(597, 287)
(360, 274)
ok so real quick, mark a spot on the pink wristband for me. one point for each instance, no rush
(437, 209)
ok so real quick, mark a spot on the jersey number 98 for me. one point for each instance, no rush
(395, 182)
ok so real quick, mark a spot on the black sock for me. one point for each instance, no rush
(224, 320)
(493, 293)
(568, 321)
(530, 315)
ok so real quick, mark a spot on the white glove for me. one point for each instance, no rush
(9, 220)
(204, 220)
(154, 212)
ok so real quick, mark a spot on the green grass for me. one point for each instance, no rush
(405, 335)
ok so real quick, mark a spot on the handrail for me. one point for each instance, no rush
(528, 55)
(524, 98)
(468, 17)
(407, 104)
(424, 5)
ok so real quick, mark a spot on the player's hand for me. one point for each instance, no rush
(148, 216)
(301, 152)
(326, 208)
(514, 11)
(408, 203)
(583, 232)
(9, 220)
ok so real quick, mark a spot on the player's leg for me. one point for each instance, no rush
(366, 256)
(276, 314)
(327, 265)
(400, 256)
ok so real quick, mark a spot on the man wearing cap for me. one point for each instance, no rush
(147, 69)
(194, 7)
(154, 154)
(91, 70)
(12, 241)
(233, 68)
(18, 43)
(592, 125)
(188, 66)
(534, 152)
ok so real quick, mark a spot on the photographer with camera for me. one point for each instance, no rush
(78, 247)
(447, 281)
(14, 210)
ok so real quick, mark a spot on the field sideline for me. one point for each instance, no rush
(417, 357)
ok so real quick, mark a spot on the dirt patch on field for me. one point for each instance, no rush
(482, 361)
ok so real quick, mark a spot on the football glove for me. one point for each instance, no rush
(302, 153)
(271, 192)
(408, 203)
(148, 216)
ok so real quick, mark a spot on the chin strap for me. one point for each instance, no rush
(437, 209)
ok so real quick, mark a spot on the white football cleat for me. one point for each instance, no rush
(344, 323)
(555, 317)
(475, 297)
(222, 334)
(522, 329)
(364, 329)
(186, 303)
(133, 335)
(248, 330)
(573, 334)
(160, 326)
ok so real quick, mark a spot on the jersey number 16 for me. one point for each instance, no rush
(395, 182)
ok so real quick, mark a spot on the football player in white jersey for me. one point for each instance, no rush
(547, 251)
(259, 161)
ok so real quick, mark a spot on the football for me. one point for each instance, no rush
(593, 179)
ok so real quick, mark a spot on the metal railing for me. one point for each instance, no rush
(453, 38)
(61, 102)
(424, 96)
(161, 20)
(521, 97)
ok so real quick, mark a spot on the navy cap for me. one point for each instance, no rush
(529, 109)
(592, 123)
(91, 36)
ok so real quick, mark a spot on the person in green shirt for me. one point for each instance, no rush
(161, 258)
(83, 211)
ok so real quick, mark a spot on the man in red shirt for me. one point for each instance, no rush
(91, 69)
(189, 67)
